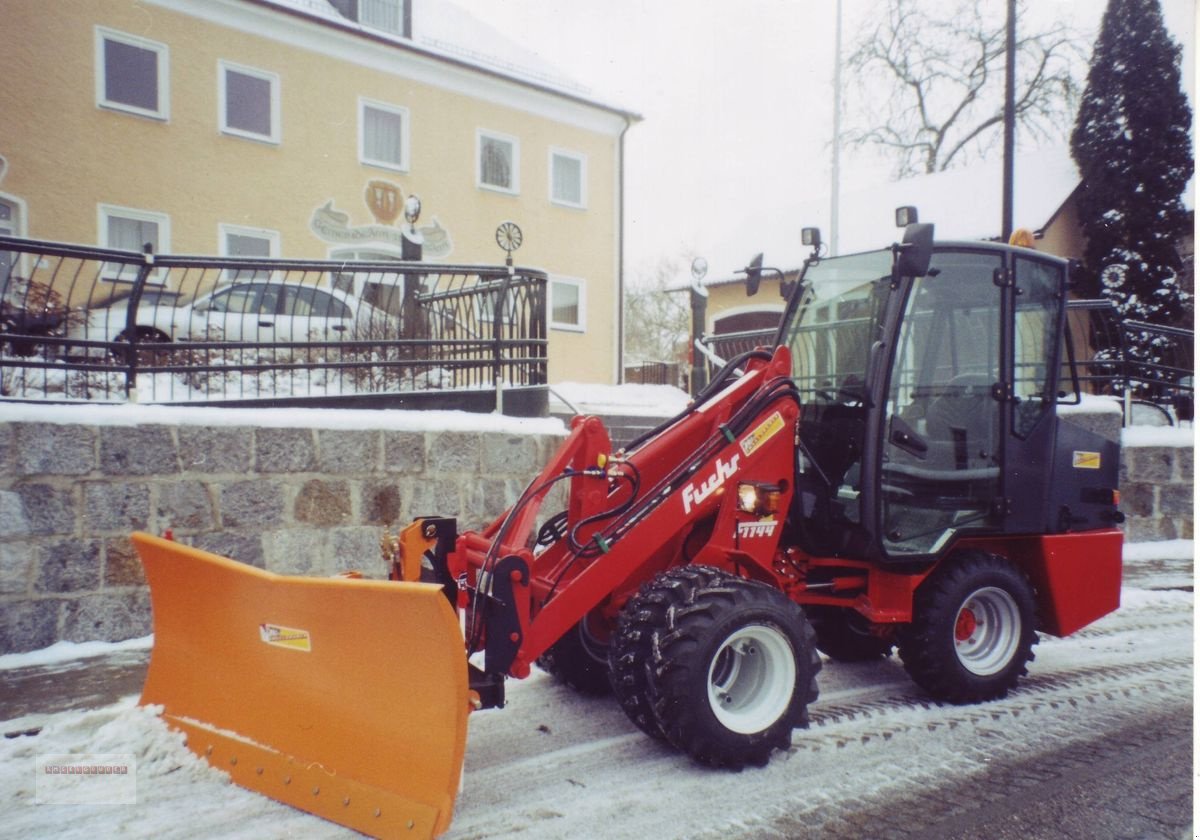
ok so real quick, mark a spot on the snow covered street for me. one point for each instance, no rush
(557, 765)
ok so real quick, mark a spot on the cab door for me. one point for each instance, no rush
(942, 452)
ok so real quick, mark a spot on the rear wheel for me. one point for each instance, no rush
(972, 631)
(732, 669)
(580, 659)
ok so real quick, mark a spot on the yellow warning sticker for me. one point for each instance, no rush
(1085, 460)
(766, 430)
(285, 637)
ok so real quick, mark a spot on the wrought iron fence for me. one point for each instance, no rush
(79, 323)
(1147, 366)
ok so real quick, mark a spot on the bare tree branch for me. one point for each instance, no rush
(930, 83)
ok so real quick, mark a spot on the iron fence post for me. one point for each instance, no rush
(131, 337)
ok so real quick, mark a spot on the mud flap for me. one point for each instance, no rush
(344, 698)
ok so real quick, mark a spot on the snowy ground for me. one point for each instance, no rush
(556, 765)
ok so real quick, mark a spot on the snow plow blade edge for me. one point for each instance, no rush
(344, 698)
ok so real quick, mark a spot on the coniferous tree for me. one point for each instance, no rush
(1133, 148)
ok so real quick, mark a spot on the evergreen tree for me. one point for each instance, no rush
(1133, 148)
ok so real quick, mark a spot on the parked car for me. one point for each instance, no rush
(254, 311)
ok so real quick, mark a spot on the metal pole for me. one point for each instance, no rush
(835, 186)
(1010, 120)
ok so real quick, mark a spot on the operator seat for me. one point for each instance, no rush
(960, 422)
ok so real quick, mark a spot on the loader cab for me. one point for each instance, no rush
(927, 400)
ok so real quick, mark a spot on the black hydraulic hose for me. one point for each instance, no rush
(706, 393)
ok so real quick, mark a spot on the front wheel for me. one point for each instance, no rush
(732, 671)
(973, 629)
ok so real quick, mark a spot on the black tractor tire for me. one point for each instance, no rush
(579, 660)
(732, 670)
(973, 629)
(630, 652)
(845, 636)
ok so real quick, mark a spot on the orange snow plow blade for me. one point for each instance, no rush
(344, 698)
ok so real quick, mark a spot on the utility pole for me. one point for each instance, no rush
(1010, 121)
(835, 186)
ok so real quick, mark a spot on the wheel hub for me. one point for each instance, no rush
(965, 626)
(752, 678)
(987, 631)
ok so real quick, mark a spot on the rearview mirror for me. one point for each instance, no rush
(915, 251)
(753, 275)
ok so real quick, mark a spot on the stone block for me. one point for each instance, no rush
(216, 450)
(51, 449)
(7, 455)
(285, 450)
(184, 505)
(357, 548)
(115, 507)
(16, 567)
(323, 503)
(68, 566)
(349, 452)
(453, 452)
(48, 509)
(1175, 500)
(122, 566)
(1148, 529)
(487, 498)
(258, 502)
(13, 521)
(1185, 465)
(404, 452)
(510, 454)
(298, 551)
(137, 450)
(1150, 463)
(380, 503)
(112, 616)
(244, 548)
(434, 497)
(29, 625)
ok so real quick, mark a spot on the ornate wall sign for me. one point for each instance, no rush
(386, 202)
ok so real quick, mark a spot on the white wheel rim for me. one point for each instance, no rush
(987, 631)
(751, 679)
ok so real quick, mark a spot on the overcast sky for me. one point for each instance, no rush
(737, 105)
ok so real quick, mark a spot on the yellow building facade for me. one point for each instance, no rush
(282, 128)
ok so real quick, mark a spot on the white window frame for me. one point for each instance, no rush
(105, 211)
(162, 66)
(484, 133)
(581, 286)
(583, 193)
(223, 232)
(19, 228)
(276, 135)
(397, 110)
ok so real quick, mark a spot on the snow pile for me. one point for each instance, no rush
(1158, 436)
(643, 400)
(132, 414)
(61, 652)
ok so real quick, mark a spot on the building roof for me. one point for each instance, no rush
(962, 203)
(444, 31)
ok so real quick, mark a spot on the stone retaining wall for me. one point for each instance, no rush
(1157, 489)
(292, 500)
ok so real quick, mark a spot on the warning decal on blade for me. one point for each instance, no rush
(1085, 460)
(285, 637)
(764, 432)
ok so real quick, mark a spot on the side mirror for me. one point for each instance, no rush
(753, 275)
(915, 251)
(906, 216)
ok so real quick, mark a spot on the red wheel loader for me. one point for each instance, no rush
(891, 474)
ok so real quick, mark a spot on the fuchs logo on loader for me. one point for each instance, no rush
(285, 637)
(1085, 460)
(695, 494)
(762, 433)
